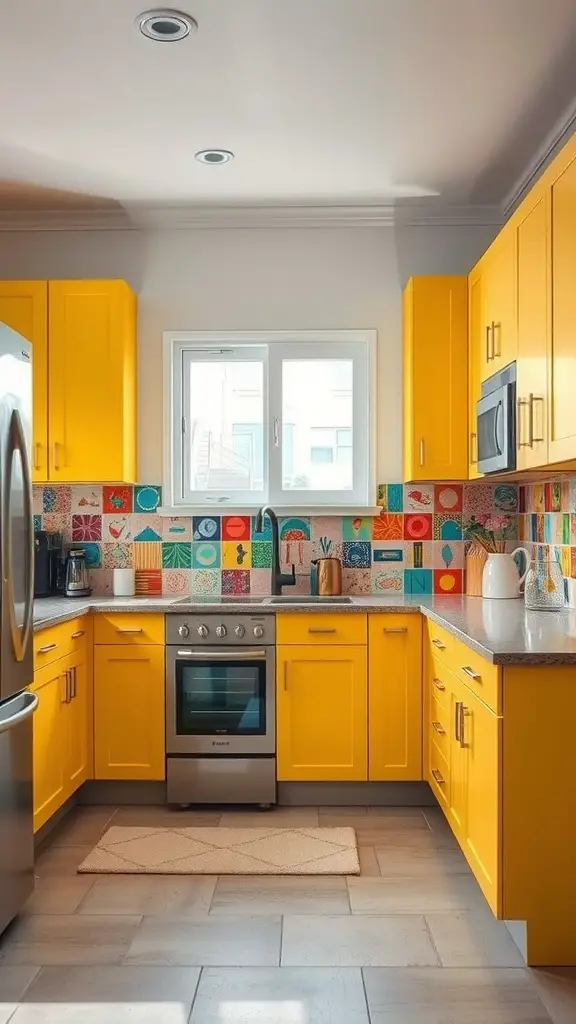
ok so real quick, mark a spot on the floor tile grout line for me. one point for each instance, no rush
(200, 973)
(281, 940)
(368, 1014)
(431, 937)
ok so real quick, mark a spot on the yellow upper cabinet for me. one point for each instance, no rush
(435, 379)
(24, 308)
(562, 362)
(498, 269)
(92, 381)
(395, 698)
(475, 342)
(533, 278)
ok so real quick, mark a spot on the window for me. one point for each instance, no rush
(270, 417)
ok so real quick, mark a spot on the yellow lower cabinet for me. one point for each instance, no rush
(129, 738)
(481, 739)
(50, 744)
(80, 722)
(322, 713)
(458, 792)
(395, 697)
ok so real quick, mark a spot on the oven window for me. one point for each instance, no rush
(488, 443)
(220, 698)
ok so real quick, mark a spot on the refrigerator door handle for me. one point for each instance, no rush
(8, 720)
(17, 442)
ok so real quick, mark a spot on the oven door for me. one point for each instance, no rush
(221, 701)
(495, 428)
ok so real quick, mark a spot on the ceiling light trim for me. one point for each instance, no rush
(184, 24)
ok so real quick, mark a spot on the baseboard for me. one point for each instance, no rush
(355, 794)
(43, 833)
(104, 791)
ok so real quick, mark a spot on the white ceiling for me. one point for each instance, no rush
(323, 101)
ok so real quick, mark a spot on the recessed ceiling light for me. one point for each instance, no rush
(165, 26)
(214, 156)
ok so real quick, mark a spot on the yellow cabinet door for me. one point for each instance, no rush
(77, 721)
(562, 364)
(533, 270)
(475, 341)
(395, 697)
(435, 379)
(322, 713)
(458, 763)
(480, 739)
(92, 381)
(50, 745)
(129, 738)
(24, 308)
(499, 293)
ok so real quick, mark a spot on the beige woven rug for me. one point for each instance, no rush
(225, 851)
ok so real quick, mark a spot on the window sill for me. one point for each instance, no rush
(223, 509)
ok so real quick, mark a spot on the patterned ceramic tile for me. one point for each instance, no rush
(93, 553)
(56, 522)
(177, 528)
(448, 554)
(261, 554)
(147, 555)
(573, 562)
(418, 554)
(419, 497)
(326, 526)
(149, 582)
(86, 527)
(418, 581)
(118, 499)
(176, 555)
(85, 499)
(37, 500)
(387, 553)
(506, 497)
(146, 528)
(394, 498)
(418, 527)
(117, 556)
(236, 554)
(265, 533)
(388, 526)
(235, 581)
(387, 579)
(176, 581)
(448, 581)
(297, 553)
(57, 500)
(328, 549)
(206, 554)
(382, 497)
(37, 523)
(566, 561)
(260, 581)
(356, 581)
(117, 528)
(478, 498)
(147, 498)
(206, 582)
(101, 582)
(565, 503)
(357, 528)
(206, 527)
(236, 528)
(448, 497)
(356, 554)
(295, 528)
(448, 527)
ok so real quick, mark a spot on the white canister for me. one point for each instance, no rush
(124, 583)
(500, 578)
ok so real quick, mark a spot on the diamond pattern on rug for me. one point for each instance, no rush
(225, 851)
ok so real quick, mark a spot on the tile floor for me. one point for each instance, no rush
(409, 941)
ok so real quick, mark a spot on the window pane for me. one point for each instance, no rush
(226, 426)
(317, 403)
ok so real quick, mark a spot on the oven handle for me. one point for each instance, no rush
(229, 655)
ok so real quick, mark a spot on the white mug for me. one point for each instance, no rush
(124, 583)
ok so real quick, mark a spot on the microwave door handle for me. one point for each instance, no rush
(496, 424)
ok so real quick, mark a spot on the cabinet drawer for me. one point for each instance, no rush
(128, 628)
(479, 675)
(57, 641)
(439, 776)
(321, 629)
(441, 643)
(440, 727)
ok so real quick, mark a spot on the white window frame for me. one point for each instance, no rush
(182, 347)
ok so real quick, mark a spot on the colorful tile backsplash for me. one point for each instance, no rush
(414, 546)
(547, 521)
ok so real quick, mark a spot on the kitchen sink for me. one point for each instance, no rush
(310, 599)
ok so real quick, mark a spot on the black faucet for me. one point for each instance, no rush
(279, 579)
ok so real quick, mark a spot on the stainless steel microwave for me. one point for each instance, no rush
(496, 422)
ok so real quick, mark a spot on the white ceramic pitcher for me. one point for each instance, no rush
(500, 577)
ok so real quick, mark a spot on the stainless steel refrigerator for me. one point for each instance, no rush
(17, 704)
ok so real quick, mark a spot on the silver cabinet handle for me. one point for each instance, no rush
(438, 684)
(400, 629)
(77, 634)
(463, 712)
(439, 645)
(520, 405)
(473, 447)
(48, 647)
(531, 399)
(470, 672)
(437, 777)
(313, 629)
(37, 448)
(494, 352)
(438, 727)
(56, 461)
(67, 675)
(72, 683)
(422, 451)
(488, 356)
(124, 630)
(276, 428)
(457, 720)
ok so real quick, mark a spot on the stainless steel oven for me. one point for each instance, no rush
(496, 422)
(220, 709)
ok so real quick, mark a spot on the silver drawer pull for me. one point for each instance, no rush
(78, 634)
(438, 727)
(401, 629)
(438, 684)
(470, 672)
(313, 630)
(48, 647)
(120, 630)
(437, 777)
(439, 645)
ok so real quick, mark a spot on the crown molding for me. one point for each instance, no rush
(131, 217)
(564, 126)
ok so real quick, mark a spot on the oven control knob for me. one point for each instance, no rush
(258, 631)
(221, 631)
(240, 631)
(183, 631)
(203, 631)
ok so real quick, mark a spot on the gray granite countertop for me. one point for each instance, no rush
(503, 632)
